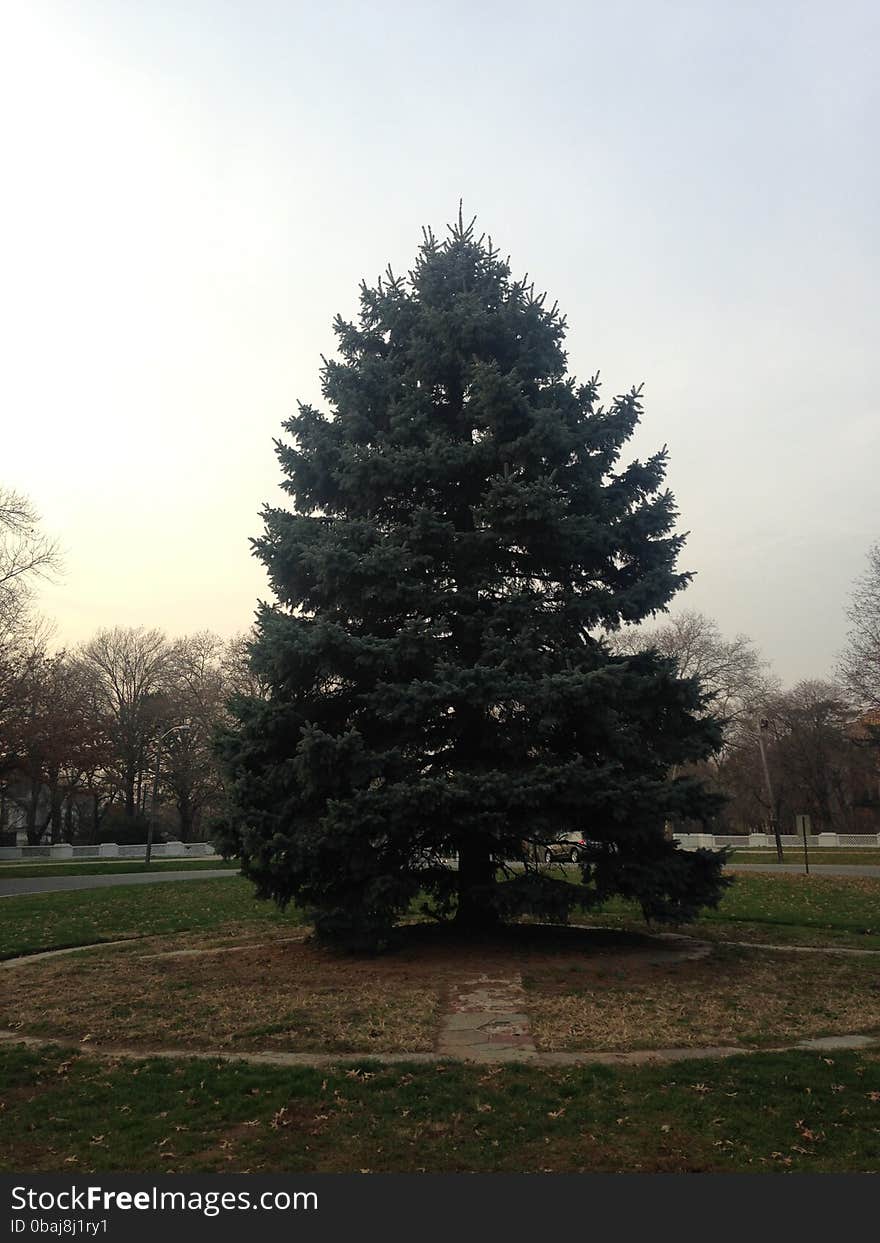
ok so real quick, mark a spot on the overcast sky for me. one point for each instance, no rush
(193, 188)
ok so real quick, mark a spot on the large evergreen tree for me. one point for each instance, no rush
(460, 538)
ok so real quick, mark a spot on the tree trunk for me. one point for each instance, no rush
(185, 812)
(55, 821)
(33, 830)
(55, 800)
(129, 791)
(476, 879)
(68, 816)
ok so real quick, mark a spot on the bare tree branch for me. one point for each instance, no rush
(25, 553)
(859, 668)
(732, 671)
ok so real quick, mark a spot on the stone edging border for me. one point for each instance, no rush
(638, 1057)
(700, 948)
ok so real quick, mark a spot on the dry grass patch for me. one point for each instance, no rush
(734, 997)
(230, 935)
(287, 995)
(274, 989)
(242, 988)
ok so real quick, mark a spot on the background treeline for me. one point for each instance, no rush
(81, 728)
(821, 738)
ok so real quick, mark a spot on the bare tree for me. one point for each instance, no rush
(731, 671)
(735, 677)
(816, 755)
(128, 668)
(90, 769)
(52, 742)
(239, 676)
(819, 763)
(860, 664)
(195, 694)
(25, 553)
(823, 768)
(22, 648)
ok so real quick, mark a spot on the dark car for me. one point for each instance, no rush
(575, 848)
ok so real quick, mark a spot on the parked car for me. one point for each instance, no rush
(574, 848)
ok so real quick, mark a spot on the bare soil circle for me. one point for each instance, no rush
(587, 989)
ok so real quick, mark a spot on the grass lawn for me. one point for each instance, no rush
(65, 1112)
(68, 1111)
(42, 921)
(781, 908)
(785, 908)
(25, 870)
(795, 855)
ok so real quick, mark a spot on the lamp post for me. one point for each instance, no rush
(763, 725)
(173, 730)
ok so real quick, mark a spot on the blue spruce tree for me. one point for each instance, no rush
(461, 535)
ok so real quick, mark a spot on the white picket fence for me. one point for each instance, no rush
(109, 850)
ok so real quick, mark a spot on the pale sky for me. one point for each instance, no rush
(192, 189)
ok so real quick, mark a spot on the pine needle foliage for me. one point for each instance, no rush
(440, 701)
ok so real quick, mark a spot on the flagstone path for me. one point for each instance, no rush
(485, 1020)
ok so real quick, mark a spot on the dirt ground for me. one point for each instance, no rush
(733, 996)
(585, 989)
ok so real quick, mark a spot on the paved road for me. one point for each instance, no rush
(12, 887)
(819, 869)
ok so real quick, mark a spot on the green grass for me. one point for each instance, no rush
(34, 922)
(779, 1112)
(794, 1112)
(92, 868)
(781, 909)
(794, 855)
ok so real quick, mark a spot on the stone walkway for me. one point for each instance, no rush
(799, 949)
(485, 1020)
